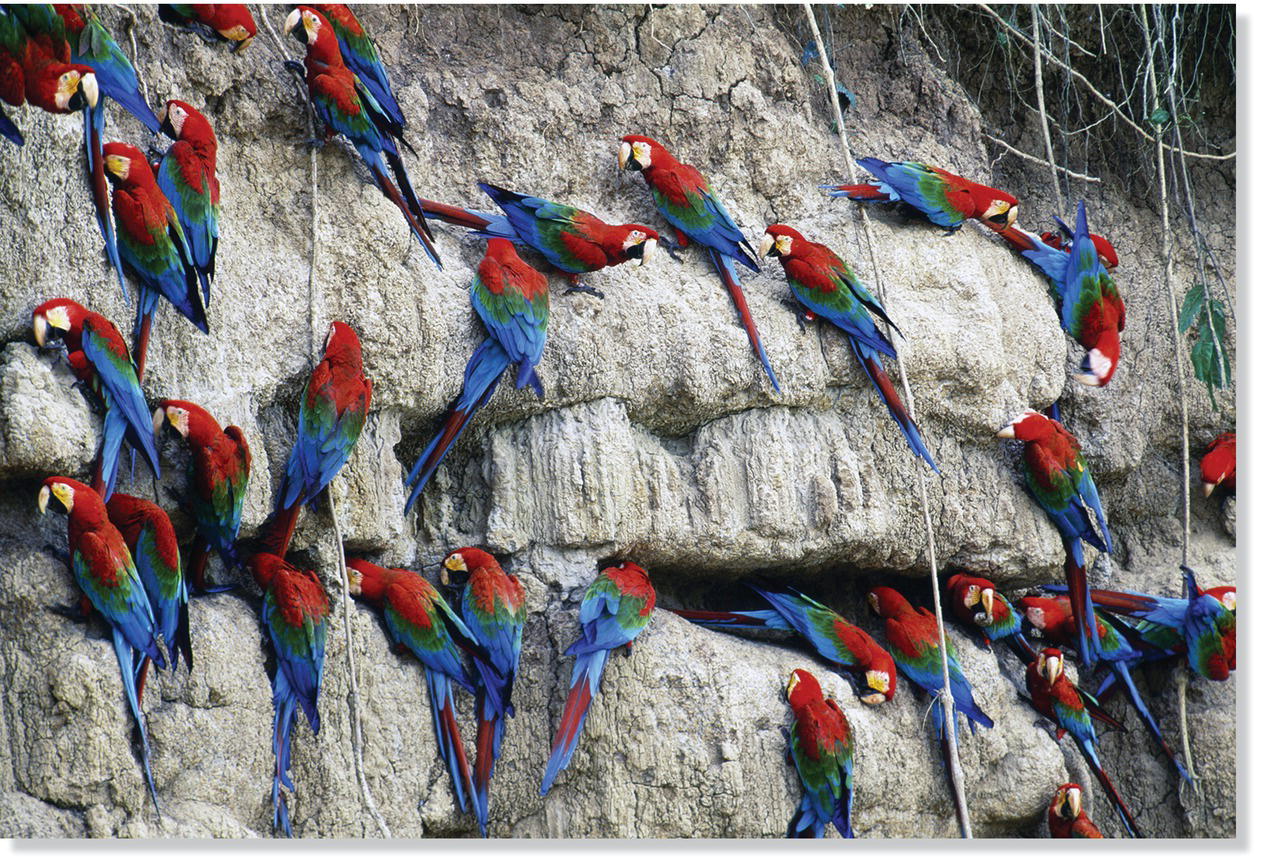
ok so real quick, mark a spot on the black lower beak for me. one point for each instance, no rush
(636, 251)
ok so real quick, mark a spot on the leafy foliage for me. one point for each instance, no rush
(1211, 364)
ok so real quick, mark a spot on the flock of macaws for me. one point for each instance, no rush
(160, 221)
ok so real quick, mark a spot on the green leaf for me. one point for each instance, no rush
(1160, 116)
(1192, 306)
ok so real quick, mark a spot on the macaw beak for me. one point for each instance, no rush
(159, 418)
(1051, 669)
(40, 325)
(651, 247)
(1208, 488)
(242, 45)
(624, 155)
(765, 245)
(1074, 801)
(444, 578)
(1007, 432)
(90, 89)
(42, 500)
(291, 22)
(874, 698)
(988, 601)
(354, 582)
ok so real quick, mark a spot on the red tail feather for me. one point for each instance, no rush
(276, 533)
(577, 703)
(863, 192)
(453, 215)
(451, 428)
(197, 565)
(730, 618)
(1123, 812)
(887, 389)
(419, 228)
(141, 677)
(141, 348)
(451, 731)
(1077, 584)
(484, 758)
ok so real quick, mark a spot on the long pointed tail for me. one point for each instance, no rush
(805, 824)
(486, 224)
(10, 131)
(1123, 673)
(1116, 800)
(584, 683)
(140, 335)
(113, 432)
(93, 127)
(419, 229)
(859, 192)
(727, 271)
(1081, 603)
(768, 619)
(482, 373)
(277, 533)
(127, 670)
(447, 733)
(490, 733)
(870, 360)
(284, 705)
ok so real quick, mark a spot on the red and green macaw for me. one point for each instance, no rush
(36, 67)
(1058, 478)
(346, 106)
(1066, 818)
(944, 198)
(511, 298)
(105, 572)
(1219, 465)
(361, 57)
(615, 609)
(823, 751)
(1025, 241)
(152, 243)
(114, 378)
(219, 471)
(187, 178)
(1055, 698)
(827, 288)
(573, 241)
(213, 22)
(493, 606)
(685, 199)
(331, 415)
(421, 622)
(835, 639)
(296, 616)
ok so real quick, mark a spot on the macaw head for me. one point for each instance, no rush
(53, 320)
(1105, 251)
(124, 163)
(639, 242)
(1227, 596)
(1102, 361)
(63, 87)
(1030, 425)
(354, 576)
(888, 602)
(998, 209)
(62, 493)
(313, 27)
(462, 563)
(1052, 665)
(779, 241)
(1067, 802)
(176, 117)
(802, 689)
(236, 24)
(342, 345)
(636, 152)
(183, 417)
(880, 679)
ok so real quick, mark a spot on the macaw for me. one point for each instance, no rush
(835, 639)
(361, 57)
(219, 471)
(944, 198)
(822, 748)
(420, 621)
(35, 65)
(101, 346)
(573, 241)
(511, 298)
(152, 243)
(493, 607)
(1058, 478)
(828, 288)
(213, 22)
(615, 609)
(1025, 241)
(187, 178)
(345, 104)
(296, 616)
(1219, 465)
(105, 572)
(1054, 697)
(1066, 818)
(331, 415)
(685, 199)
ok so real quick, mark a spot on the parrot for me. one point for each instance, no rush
(219, 471)
(346, 105)
(1066, 818)
(616, 608)
(296, 616)
(573, 241)
(187, 178)
(1058, 478)
(102, 347)
(835, 639)
(685, 199)
(1219, 465)
(1025, 241)
(36, 67)
(1055, 698)
(213, 22)
(511, 298)
(823, 751)
(331, 416)
(493, 607)
(944, 198)
(105, 572)
(826, 287)
(419, 620)
(152, 244)
(1054, 619)
(361, 57)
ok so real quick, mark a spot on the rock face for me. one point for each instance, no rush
(659, 440)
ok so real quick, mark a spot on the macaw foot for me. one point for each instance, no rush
(581, 288)
(295, 67)
(77, 612)
(314, 143)
(672, 246)
(627, 649)
(803, 316)
(950, 231)
(210, 38)
(399, 649)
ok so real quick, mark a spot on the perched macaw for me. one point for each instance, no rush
(828, 288)
(101, 346)
(944, 198)
(346, 105)
(187, 178)
(573, 241)
(823, 751)
(219, 470)
(1057, 476)
(493, 606)
(1066, 818)
(36, 67)
(511, 298)
(1219, 465)
(420, 621)
(331, 415)
(151, 242)
(685, 199)
(296, 615)
(213, 22)
(615, 609)
(105, 572)
(361, 57)
(1054, 697)
(835, 639)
